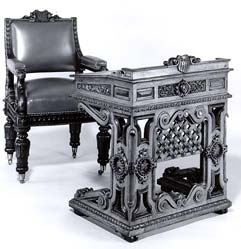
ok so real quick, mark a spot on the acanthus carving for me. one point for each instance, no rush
(41, 16)
(182, 88)
(119, 165)
(104, 89)
(182, 62)
(215, 150)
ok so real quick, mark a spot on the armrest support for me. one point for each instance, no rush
(93, 63)
(16, 67)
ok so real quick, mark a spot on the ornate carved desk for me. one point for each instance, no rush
(184, 106)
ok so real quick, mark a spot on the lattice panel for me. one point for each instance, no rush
(182, 138)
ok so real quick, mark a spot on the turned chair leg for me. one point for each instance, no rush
(103, 146)
(22, 146)
(74, 129)
(10, 136)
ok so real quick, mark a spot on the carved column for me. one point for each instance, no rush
(74, 129)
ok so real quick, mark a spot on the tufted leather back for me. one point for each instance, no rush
(44, 46)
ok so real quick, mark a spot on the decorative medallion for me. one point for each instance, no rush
(182, 62)
(215, 150)
(119, 165)
(183, 88)
(144, 166)
(41, 16)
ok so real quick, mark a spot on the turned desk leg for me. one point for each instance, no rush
(74, 129)
(10, 136)
(103, 145)
(22, 146)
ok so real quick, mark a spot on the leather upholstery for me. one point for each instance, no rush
(44, 46)
(50, 95)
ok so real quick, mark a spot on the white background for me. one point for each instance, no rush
(126, 34)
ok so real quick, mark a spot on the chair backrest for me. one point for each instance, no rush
(43, 42)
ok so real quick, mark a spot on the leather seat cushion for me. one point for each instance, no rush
(50, 95)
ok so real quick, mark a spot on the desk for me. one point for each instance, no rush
(183, 105)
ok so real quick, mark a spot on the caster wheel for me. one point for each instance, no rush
(74, 152)
(10, 159)
(100, 172)
(21, 178)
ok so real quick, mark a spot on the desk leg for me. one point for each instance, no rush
(103, 145)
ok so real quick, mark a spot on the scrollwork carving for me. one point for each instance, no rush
(182, 62)
(180, 134)
(99, 197)
(176, 200)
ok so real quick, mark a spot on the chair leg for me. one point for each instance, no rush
(22, 146)
(103, 145)
(10, 136)
(74, 129)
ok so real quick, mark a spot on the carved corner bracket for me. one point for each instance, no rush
(182, 62)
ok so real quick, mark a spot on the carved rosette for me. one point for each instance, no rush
(41, 16)
(144, 165)
(119, 165)
(183, 88)
(215, 150)
(182, 62)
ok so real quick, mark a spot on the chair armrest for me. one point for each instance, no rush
(93, 63)
(16, 67)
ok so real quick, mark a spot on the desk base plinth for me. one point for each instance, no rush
(154, 223)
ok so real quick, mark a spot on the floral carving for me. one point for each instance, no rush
(103, 89)
(182, 88)
(144, 166)
(119, 165)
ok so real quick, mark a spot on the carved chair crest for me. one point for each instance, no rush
(41, 16)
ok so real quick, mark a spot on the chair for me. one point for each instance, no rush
(39, 43)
